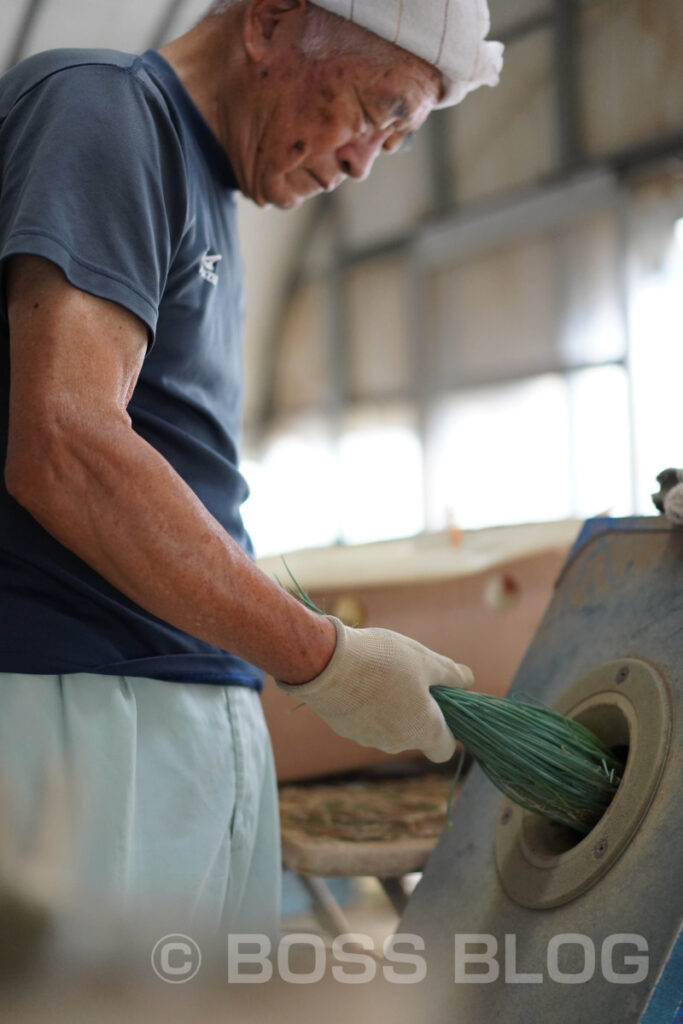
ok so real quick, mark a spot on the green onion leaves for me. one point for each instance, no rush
(541, 760)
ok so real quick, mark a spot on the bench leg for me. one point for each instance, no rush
(325, 907)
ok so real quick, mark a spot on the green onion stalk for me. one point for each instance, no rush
(540, 759)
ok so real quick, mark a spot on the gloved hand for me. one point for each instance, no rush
(375, 690)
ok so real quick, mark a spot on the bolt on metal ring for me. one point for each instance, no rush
(600, 848)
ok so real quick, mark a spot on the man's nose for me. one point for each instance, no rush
(356, 157)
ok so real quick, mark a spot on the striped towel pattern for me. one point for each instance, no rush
(449, 34)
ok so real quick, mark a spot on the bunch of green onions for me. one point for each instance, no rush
(541, 760)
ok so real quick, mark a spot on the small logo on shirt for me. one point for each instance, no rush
(207, 267)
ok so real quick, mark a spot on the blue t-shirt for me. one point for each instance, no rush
(108, 169)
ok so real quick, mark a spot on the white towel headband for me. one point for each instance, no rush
(448, 34)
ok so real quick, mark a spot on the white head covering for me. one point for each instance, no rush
(448, 34)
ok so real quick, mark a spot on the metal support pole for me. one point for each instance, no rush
(440, 169)
(565, 43)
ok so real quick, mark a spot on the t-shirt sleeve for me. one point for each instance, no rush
(92, 178)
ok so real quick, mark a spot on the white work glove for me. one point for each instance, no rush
(375, 690)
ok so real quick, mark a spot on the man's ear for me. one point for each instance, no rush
(270, 23)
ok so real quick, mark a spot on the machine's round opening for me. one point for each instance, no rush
(545, 838)
(626, 703)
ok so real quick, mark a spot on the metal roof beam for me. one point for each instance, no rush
(165, 24)
(18, 51)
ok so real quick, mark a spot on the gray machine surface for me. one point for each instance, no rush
(569, 926)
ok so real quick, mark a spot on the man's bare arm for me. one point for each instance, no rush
(75, 463)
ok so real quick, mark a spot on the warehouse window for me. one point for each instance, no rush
(500, 455)
(380, 469)
(293, 502)
(308, 490)
(657, 347)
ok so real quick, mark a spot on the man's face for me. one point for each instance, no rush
(318, 123)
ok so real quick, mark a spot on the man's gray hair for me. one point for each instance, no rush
(327, 35)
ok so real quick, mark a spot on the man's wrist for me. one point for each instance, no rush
(320, 646)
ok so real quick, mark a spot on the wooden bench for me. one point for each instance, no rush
(385, 827)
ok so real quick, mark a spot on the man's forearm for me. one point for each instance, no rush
(114, 501)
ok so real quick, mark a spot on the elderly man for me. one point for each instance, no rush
(135, 625)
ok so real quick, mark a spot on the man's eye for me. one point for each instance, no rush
(397, 142)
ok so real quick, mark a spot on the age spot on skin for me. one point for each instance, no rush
(298, 146)
(328, 95)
